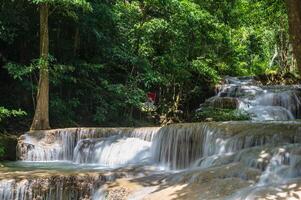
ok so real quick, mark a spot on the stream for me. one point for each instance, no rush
(234, 160)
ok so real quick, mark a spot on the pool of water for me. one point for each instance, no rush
(53, 165)
(67, 166)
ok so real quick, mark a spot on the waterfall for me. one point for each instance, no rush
(261, 113)
(275, 169)
(50, 188)
(176, 146)
(6, 189)
(281, 170)
(104, 146)
(262, 102)
(112, 151)
(266, 150)
(243, 160)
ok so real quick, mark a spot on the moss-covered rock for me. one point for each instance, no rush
(219, 114)
(222, 102)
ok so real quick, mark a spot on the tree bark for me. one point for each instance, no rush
(41, 117)
(294, 18)
(76, 42)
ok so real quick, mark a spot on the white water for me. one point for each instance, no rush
(173, 147)
(106, 147)
(272, 148)
(113, 151)
(262, 102)
(11, 189)
(6, 192)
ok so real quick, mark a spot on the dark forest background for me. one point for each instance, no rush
(104, 60)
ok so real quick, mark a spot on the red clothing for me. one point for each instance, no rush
(151, 96)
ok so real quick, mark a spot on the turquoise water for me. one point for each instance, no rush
(65, 166)
(55, 165)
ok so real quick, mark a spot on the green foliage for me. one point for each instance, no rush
(202, 66)
(79, 3)
(5, 113)
(218, 114)
(104, 62)
(18, 71)
(8, 116)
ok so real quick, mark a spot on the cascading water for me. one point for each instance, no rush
(263, 102)
(112, 151)
(50, 188)
(209, 160)
(282, 171)
(185, 145)
(199, 146)
(108, 147)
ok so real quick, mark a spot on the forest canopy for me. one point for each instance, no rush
(105, 56)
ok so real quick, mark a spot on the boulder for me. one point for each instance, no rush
(222, 102)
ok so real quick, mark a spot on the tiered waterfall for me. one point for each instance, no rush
(257, 159)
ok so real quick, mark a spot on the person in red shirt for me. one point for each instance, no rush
(149, 105)
(151, 96)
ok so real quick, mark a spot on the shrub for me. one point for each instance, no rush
(218, 114)
(5, 113)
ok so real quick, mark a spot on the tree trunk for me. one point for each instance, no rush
(41, 117)
(76, 42)
(294, 18)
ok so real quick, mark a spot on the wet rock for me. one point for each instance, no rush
(222, 102)
(290, 190)
(209, 119)
(232, 170)
(120, 193)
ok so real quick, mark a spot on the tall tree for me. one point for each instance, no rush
(294, 18)
(41, 116)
